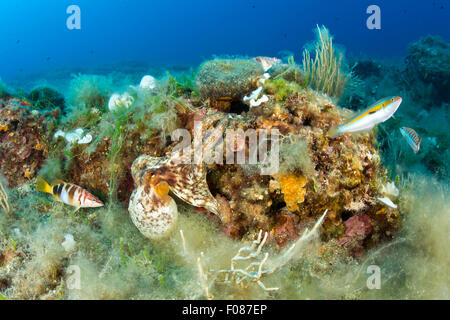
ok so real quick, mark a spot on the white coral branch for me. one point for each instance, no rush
(257, 269)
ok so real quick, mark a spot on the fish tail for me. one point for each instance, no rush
(333, 132)
(418, 144)
(43, 186)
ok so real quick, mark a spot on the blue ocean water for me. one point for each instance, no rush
(34, 35)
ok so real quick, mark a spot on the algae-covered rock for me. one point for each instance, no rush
(23, 146)
(289, 72)
(46, 97)
(231, 78)
(429, 61)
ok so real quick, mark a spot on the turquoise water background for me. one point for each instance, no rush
(34, 36)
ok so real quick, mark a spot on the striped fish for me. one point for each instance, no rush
(412, 138)
(69, 193)
(267, 62)
(378, 112)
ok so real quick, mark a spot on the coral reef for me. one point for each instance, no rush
(357, 228)
(23, 141)
(293, 190)
(316, 173)
(127, 155)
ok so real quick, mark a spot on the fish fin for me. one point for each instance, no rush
(333, 132)
(56, 199)
(418, 145)
(43, 186)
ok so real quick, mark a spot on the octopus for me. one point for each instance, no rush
(152, 210)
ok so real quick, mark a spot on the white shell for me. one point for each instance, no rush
(114, 101)
(86, 139)
(59, 133)
(117, 101)
(390, 189)
(253, 98)
(148, 83)
(388, 202)
(256, 103)
(74, 136)
(254, 95)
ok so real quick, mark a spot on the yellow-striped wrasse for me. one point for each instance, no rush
(376, 113)
(412, 138)
(69, 193)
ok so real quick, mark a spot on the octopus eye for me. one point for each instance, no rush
(148, 177)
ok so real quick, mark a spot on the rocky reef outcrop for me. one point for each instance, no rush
(45, 97)
(226, 80)
(343, 174)
(429, 61)
(23, 140)
(314, 172)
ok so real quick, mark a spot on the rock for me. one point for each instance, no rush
(46, 97)
(429, 62)
(22, 143)
(230, 78)
(288, 72)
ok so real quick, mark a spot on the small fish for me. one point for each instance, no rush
(68, 193)
(412, 138)
(378, 112)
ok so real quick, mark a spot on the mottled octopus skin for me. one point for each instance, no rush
(154, 217)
